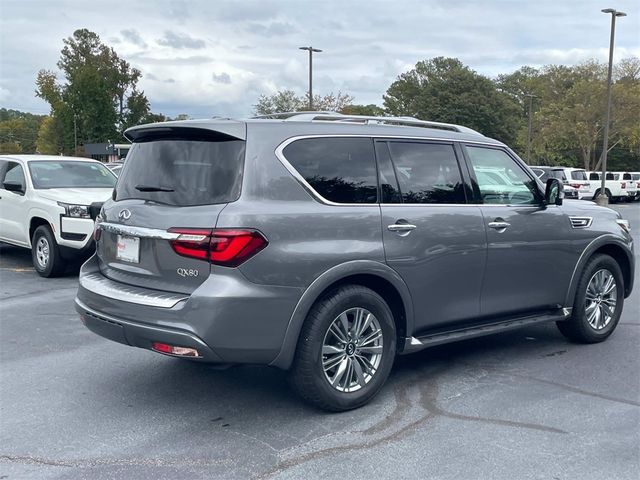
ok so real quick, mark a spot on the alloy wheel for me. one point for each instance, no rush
(352, 349)
(601, 299)
(42, 252)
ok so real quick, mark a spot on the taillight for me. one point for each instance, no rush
(96, 228)
(224, 247)
(623, 185)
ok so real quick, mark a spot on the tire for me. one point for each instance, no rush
(308, 377)
(606, 192)
(579, 329)
(45, 253)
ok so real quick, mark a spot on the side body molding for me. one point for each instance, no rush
(339, 272)
(596, 243)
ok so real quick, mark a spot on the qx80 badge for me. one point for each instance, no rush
(187, 272)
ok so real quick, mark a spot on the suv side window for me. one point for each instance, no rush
(339, 169)
(15, 174)
(427, 172)
(514, 185)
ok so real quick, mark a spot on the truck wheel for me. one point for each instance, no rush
(45, 253)
(598, 302)
(346, 349)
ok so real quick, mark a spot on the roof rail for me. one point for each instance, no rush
(286, 115)
(366, 119)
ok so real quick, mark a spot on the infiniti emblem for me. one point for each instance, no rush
(124, 214)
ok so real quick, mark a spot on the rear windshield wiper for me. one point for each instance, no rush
(151, 188)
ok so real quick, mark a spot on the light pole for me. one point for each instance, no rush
(311, 50)
(602, 199)
(531, 97)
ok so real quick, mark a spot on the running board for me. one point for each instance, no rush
(414, 344)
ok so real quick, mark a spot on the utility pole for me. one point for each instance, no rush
(602, 199)
(531, 97)
(310, 50)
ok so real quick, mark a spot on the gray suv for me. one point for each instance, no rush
(326, 245)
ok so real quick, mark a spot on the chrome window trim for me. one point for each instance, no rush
(101, 285)
(134, 231)
(291, 169)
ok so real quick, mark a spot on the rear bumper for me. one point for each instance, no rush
(141, 335)
(227, 319)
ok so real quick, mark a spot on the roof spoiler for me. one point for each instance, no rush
(223, 127)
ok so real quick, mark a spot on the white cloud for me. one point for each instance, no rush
(222, 55)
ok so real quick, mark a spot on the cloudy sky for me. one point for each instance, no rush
(215, 57)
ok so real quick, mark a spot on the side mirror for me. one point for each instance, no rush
(554, 192)
(14, 187)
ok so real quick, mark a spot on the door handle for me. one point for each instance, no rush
(499, 225)
(401, 227)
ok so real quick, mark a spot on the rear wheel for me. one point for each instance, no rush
(598, 303)
(346, 349)
(45, 253)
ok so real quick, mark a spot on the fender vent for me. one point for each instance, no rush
(581, 222)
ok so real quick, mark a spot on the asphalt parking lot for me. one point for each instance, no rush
(525, 405)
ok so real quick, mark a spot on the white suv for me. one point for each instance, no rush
(618, 185)
(48, 203)
(578, 178)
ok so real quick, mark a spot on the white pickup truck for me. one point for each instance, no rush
(48, 204)
(618, 185)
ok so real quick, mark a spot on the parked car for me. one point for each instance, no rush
(618, 185)
(115, 167)
(635, 176)
(545, 173)
(48, 203)
(326, 244)
(578, 179)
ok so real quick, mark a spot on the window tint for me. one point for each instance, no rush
(183, 171)
(427, 172)
(578, 175)
(594, 176)
(341, 170)
(610, 176)
(514, 186)
(626, 176)
(15, 174)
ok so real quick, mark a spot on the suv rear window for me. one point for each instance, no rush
(341, 170)
(578, 175)
(183, 171)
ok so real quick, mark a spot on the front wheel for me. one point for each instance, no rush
(346, 349)
(45, 253)
(598, 302)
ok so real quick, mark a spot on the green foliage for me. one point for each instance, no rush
(99, 96)
(18, 131)
(288, 101)
(369, 110)
(569, 113)
(444, 90)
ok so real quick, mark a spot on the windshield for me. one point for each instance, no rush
(578, 175)
(183, 171)
(70, 174)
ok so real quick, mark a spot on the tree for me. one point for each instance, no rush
(444, 90)
(288, 101)
(99, 95)
(19, 131)
(370, 110)
(50, 137)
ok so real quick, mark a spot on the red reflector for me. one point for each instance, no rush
(225, 247)
(173, 350)
(623, 185)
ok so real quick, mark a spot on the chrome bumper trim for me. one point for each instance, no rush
(137, 231)
(101, 285)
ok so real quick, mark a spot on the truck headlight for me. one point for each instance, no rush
(75, 211)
